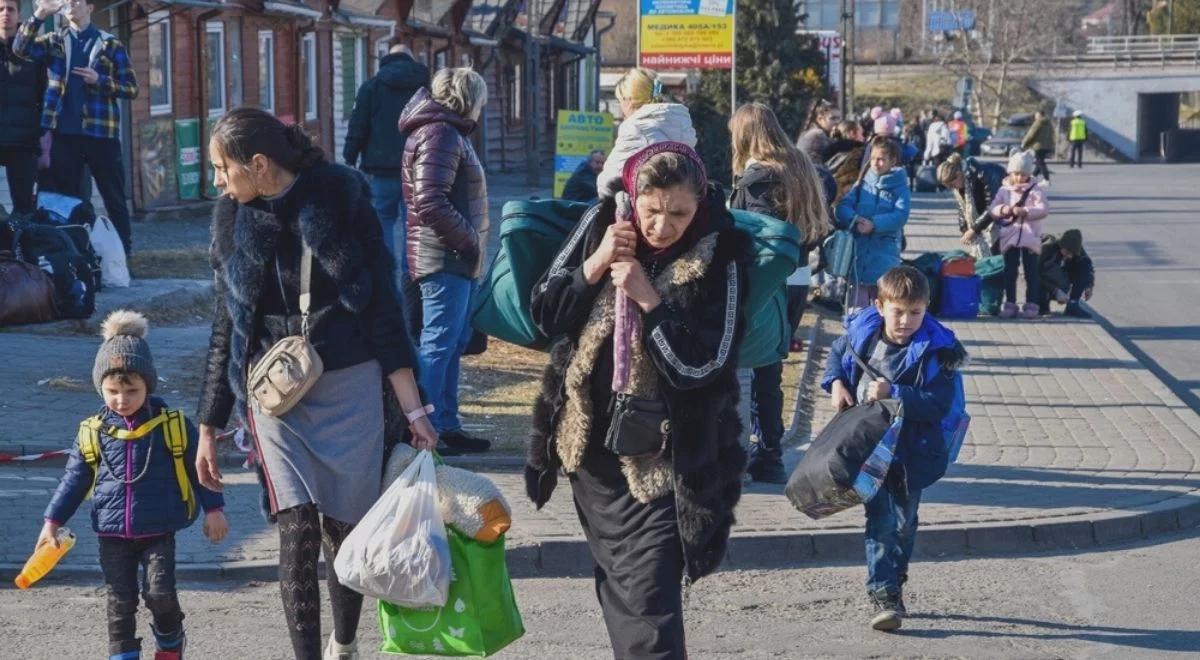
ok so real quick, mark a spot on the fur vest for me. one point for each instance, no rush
(703, 461)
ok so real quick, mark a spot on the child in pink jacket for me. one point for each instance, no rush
(1018, 211)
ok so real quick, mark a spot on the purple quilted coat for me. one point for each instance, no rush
(444, 189)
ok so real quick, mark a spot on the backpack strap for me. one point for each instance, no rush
(88, 441)
(175, 433)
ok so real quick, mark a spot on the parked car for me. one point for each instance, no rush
(1008, 138)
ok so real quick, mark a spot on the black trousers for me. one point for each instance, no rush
(1041, 168)
(1015, 259)
(1076, 159)
(638, 559)
(102, 156)
(767, 408)
(21, 167)
(119, 560)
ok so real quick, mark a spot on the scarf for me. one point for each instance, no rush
(700, 222)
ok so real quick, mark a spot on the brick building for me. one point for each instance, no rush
(305, 59)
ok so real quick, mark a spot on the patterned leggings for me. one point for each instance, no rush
(302, 532)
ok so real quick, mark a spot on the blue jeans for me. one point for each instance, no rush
(387, 196)
(445, 306)
(891, 532)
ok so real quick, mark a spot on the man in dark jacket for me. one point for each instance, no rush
(374, 136)
(581, 187)
(22, 84)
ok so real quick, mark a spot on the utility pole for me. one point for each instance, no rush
(842, 106)
(848, 59)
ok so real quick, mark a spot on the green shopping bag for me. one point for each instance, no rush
(480, 616)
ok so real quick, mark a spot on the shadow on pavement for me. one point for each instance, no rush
(1140, 638)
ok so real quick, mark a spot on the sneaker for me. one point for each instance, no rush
(1030, 311)
(767, 468)
(335, 651)
(464, 442)
(888, 611)
(1075, 310)
(1008, 311)
(1060, 296)
(169, 648)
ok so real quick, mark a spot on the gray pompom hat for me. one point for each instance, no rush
(124, 349)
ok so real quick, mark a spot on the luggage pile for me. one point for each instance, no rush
(54, 260)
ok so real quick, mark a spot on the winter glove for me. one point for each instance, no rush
(539, 484)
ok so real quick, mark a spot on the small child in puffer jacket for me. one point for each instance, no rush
(647, 119)
(1018, 210)
(137, 459)
(875, 211)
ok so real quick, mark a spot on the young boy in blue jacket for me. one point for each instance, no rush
(138, 458)
(917, 358)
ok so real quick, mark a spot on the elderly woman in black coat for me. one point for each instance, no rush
(323, 457)
(656, 468)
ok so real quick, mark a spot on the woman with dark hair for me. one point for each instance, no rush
(655, 468)
(282, 205)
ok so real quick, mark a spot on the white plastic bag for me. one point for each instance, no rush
(398, 553)
(107, 244)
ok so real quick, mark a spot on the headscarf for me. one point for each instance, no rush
(700, 222)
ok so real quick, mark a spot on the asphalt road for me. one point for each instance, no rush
(1129, 602)
(1141, 225)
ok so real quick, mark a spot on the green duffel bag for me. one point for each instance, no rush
(530, 234)
(991, 271)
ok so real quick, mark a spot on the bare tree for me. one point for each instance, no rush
(1006, 34)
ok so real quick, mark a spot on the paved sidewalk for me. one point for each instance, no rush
(1073, 444)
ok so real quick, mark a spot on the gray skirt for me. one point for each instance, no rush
(328, 449)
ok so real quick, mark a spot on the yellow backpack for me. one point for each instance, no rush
(175, 432)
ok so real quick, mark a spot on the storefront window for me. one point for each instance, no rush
(159, 34)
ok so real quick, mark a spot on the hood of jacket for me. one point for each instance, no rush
(401, 72)
(422, 110)
(756, 173)
(932, 338)
(667, 117)
(894, 179)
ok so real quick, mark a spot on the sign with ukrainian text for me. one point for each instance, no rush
(578, 135)
(686, 34)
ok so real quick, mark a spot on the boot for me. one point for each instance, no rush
(1029, 311)
(766, 466)
(335, 651)
(1008, 311)
(169, 647)
(464, 443)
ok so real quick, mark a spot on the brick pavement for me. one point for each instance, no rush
(1073, 443)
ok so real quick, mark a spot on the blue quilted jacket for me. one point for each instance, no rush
(150, 506)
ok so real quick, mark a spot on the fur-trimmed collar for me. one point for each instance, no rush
(329, 196)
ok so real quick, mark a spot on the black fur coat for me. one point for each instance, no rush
(356, 314)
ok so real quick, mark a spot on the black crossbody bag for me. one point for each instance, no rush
(639, 426)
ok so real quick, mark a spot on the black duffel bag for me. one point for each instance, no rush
(842, 468)
(75, 274)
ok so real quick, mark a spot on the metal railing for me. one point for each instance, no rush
(1145, 45)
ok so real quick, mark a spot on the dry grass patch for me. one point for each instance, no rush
(171, 263)
(496, 394)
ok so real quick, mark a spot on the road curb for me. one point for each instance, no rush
(570, 557)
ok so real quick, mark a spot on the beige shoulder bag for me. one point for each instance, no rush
(290, 368)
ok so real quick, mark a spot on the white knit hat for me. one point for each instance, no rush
(1021, 162)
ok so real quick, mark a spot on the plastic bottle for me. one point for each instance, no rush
(44, 558)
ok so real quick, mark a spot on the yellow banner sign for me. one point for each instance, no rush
(579, 134)
(686, 34)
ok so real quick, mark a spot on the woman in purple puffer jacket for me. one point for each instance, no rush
(446, 195)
